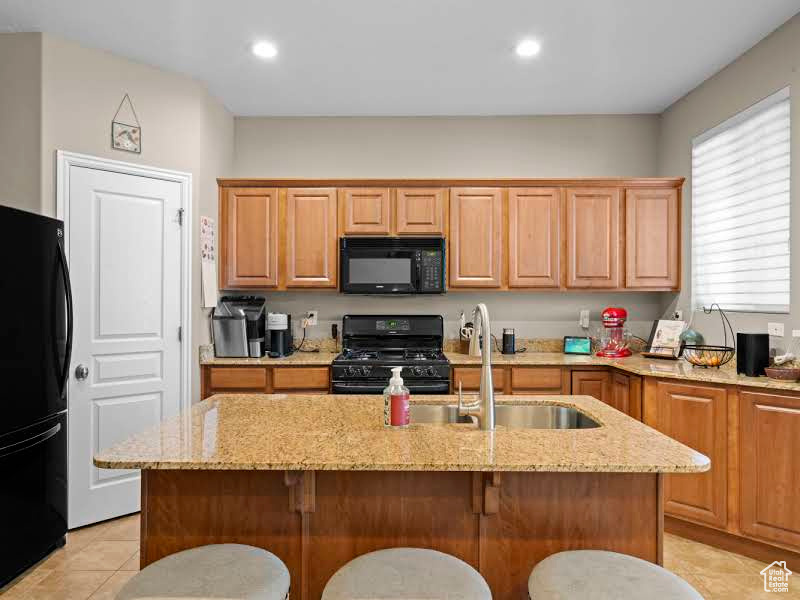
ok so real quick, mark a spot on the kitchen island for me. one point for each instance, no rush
(318, 480)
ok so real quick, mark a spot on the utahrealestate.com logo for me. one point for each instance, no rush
(776, 577)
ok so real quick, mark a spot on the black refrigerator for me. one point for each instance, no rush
(35, 348)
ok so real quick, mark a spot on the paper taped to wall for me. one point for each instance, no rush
(208, 262)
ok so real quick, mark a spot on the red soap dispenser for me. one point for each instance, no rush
(395, 401)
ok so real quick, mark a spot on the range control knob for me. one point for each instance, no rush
(431, 372)
(349, 371)
(419, 371)
(366, 370)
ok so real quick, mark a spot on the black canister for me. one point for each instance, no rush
(752, 353)
(508, 341)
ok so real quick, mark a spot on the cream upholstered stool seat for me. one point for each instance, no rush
(602, 575)
(404, 573)
(230, 571)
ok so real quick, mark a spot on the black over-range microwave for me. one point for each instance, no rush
(384, 265)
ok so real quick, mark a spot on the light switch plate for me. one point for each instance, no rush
(775, 329)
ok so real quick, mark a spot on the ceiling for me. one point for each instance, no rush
(421, 57)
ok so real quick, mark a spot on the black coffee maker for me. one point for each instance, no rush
(279, 329)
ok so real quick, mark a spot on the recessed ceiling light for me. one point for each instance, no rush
(265, 49)
(528, 48)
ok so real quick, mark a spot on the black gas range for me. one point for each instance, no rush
(373, 344)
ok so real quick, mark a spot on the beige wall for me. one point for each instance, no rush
(64, 98)
(544, 146)
(769, 66)
(183, 128)
(20, 119)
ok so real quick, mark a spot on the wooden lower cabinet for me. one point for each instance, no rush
(592, 383)
(470, 379)
(298, 379)
(626, 394)
(536, 380)
(696, 415)
(769, 441)
(263, 380)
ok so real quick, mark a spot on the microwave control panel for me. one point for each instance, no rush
(431, 276)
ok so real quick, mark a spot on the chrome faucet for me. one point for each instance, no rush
(482, 408)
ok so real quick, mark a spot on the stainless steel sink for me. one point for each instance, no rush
(542, 416)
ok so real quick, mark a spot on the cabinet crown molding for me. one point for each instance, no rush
(626, 182)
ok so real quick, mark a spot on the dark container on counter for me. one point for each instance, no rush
(752, 353)
(508, 341)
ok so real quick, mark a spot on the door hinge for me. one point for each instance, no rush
(180, 333)
(180, 216)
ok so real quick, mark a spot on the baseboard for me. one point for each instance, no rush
(732, 543)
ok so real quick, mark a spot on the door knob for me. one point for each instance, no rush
(81, 372)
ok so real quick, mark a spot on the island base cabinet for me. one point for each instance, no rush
(502, 524)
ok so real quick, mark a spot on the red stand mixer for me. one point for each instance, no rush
(614, 340)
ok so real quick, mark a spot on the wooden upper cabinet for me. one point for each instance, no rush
(769, 442)
(311, 238)
(652, 238)
(420, 211)
(593, 237)
(248, 233)
(696, 415)
(534, 237)
(476, 237)
(365, 211)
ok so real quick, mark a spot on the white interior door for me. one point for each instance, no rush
(124, 244)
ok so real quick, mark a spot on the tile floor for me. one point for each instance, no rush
(98, 560)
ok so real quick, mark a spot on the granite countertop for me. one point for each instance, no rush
(325, 432)
(636, 364)
(293, 360)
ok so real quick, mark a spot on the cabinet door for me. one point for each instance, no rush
(365, 211)
(770, 472)
(652, 239)
(593, 240)
(249, 238)
(311, 256)
(696, 416)
(592, 383)
(476, 237)
(470, 379)
(420, 211)
(534, 237)
(621, 392)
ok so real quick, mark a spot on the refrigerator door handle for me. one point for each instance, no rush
(30, 442)
(70, 318)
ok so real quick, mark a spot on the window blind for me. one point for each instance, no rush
(740, 210)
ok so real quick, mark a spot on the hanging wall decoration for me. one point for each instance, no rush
(125, 135)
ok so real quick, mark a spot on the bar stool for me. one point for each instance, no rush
(602, 575)
(399, 573)
(230, 571)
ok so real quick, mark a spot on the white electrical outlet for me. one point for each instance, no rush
(311, 317)
(677, 315)
(775, 329)
(796, 333)
(583, 318)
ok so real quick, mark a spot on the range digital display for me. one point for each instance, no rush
(393, 325)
